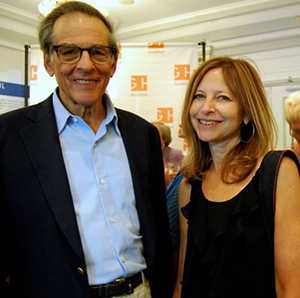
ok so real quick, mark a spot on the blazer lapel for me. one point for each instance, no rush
(42, 143)
(133, 146)
(139, 167)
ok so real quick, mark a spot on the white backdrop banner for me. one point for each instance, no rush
(41, 84)
(150, 80)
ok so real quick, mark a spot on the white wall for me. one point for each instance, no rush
(11, 64)
(11, 73)
(280, 73)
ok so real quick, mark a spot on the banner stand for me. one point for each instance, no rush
(202, 43)
(26, 77)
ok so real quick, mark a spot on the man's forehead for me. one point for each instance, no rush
(80, 26)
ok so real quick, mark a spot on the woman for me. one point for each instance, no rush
(163, 145)
(292, 115)
(172, 157)
(226, 247)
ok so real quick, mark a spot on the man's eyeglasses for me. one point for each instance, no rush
(72, 54)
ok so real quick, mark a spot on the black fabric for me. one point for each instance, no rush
(269, 171)
(233, 258)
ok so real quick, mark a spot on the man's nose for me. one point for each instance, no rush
(85, 61)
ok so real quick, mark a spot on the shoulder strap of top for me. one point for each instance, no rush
(268, 174)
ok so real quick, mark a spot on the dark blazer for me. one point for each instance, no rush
(41, 248)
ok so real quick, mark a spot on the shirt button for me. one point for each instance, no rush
(95, 145)
(80, 271)
(102, 181)
(75, 120)
(123, 259)
(112, 219)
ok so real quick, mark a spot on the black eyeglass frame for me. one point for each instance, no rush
(56, 48)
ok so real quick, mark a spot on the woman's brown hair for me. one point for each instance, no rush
(245, 84)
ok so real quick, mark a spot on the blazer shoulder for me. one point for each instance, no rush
(20, 118)
(126, 116)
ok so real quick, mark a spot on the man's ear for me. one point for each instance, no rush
(114, 66)
(48, 64)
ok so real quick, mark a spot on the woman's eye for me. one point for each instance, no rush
(224, 97)
(198, 96)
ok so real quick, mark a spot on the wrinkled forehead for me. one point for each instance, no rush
(81, 27)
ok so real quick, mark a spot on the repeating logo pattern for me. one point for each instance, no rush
(139, 83)
(182, 72)
(156, 45)
(165, 115)
(33, 72)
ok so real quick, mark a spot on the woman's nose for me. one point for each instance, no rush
(208, 105)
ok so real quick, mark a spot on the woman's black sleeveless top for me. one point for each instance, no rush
(228, 253)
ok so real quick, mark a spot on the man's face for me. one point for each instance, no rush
(81, 84)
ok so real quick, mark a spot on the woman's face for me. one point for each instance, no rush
(295, 130)
(215, 113)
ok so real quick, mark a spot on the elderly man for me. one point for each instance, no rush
(82, 183)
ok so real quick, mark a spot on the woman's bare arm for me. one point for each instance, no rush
(287, 231)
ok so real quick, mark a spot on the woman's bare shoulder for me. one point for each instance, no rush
(184, 192)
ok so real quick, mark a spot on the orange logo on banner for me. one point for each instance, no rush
(120, 50)
(165, 115)
(33, 72)
(138, 83)
(156, 45)
(182, 72)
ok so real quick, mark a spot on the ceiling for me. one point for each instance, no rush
(230, 26)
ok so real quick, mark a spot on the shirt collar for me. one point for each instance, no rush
(62, 114)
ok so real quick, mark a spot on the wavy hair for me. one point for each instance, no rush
(245, 84)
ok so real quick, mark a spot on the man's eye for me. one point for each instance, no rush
(68, 52)
(99, 52)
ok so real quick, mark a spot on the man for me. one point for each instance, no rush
(82, 184)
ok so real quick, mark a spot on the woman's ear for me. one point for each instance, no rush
(246, 119)
(48, 63)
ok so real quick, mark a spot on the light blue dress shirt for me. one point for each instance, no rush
(103, 196)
